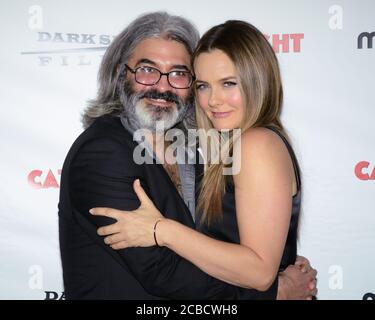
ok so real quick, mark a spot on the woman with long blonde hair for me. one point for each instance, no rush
(251, 214)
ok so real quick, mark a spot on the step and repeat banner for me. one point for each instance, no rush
(51, 51)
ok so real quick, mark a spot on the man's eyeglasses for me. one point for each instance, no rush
(150, 76)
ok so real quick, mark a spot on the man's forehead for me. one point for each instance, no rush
(161, 52)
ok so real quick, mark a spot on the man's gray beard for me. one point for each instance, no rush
(137, 115)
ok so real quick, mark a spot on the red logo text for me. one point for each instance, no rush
(286, 42)
(44, 180)
(365, 171)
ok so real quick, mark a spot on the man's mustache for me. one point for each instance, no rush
(167, 96)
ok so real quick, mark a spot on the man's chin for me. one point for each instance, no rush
(157, 109)
(157, 123)
(156, 118)
(168, 115)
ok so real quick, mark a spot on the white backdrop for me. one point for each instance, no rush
(329, 111)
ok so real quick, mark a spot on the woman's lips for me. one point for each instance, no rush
(220, 115)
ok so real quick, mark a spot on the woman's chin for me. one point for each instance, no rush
(224, 127)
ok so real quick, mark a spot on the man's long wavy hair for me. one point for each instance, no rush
(152, 25)
(259, 80)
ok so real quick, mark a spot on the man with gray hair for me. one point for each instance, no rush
(144, 79)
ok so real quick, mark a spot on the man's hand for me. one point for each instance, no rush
(297, 282)
(303, 263)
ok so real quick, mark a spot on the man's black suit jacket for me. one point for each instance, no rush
(99, 171)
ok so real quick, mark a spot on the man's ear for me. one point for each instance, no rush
(120, 68)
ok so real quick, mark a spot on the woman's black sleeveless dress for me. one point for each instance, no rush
(226, 229)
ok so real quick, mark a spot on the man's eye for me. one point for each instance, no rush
(147, 69)
(179, 74)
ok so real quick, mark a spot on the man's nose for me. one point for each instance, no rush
(163, 84)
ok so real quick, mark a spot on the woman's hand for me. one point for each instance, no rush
(133, 228)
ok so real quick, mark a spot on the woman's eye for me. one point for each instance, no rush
(200, 86)
(229, 83)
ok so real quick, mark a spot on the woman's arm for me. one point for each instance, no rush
(263, 188)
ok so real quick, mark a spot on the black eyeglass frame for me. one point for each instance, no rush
(134, 71)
